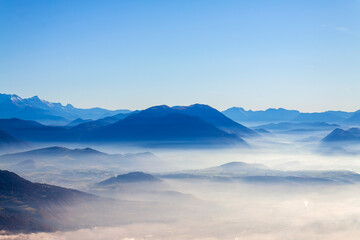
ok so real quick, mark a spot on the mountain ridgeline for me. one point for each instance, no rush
(34, 120)
(13, 106)
(273, 115)
(193, 124)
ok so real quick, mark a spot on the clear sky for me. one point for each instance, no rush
(133, 54)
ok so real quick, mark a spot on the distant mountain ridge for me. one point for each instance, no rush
(298, 126)
(13, 106)
(283, 115)
(79, 157)
(269, 115)
(261, 174)
(355, 118)
(34, 108)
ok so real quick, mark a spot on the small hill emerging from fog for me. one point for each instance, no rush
(238, 167)
(53, 153)
(86, 157)
(132, 177)
(340, 135)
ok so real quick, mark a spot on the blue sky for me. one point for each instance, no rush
(133, 54)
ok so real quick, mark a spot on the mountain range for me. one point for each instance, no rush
(32, 120)
(196, 123)
(34, 108)
(13, 106)
(283, 115)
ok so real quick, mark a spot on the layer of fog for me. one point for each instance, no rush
(219, 210)
(234, 211)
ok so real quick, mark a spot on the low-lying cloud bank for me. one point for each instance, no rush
(242, 214)
(158, 231)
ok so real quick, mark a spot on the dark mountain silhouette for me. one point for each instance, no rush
(216, 118)
(13, 106)
(155, 124)
(33, 131)
(162, 123)
(16, 123)
(132, 177)
(340, 135)
(31, 207)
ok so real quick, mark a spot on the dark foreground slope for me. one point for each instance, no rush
(29, 207)
(32, 207)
